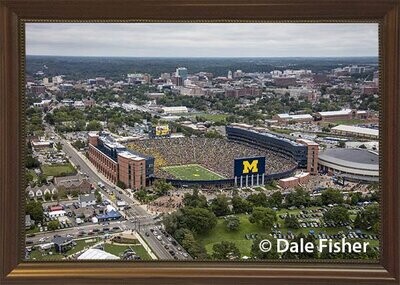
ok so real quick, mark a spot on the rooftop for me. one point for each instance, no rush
(351, 157)
(96, 254)
(336, 113)
(358, 130)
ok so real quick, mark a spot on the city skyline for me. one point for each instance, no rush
(187, 40)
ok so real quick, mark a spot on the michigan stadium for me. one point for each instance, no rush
(241, 159)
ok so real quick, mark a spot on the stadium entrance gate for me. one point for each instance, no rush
(249, 180)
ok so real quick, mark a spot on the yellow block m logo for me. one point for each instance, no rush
(250, 167)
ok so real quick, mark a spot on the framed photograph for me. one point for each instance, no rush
(223, 142)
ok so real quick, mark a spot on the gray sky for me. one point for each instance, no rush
(202, 40)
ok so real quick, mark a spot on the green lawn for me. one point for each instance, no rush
(34, 175)
(118, 250)
(212, 117)
(344, 122)
(192, 172)
(58, 170)
(37, 255)
(220, 233)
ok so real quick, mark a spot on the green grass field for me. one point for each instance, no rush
(192, 172)
(212, 117)
(220, 233)
(118, 250)
(37, 255)
(58, 169)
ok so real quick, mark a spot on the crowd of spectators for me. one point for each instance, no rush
(217, 155)
(166, 204)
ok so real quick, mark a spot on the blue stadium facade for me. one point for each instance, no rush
(275, 143)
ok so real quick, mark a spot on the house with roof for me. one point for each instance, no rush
(87, 200)
(62, 244)
(40, 191)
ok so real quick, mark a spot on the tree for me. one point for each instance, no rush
(47, 196)
(225, 250)
(355, 198)
(35, 210)
(275, 200)
(195, 200)
(337, 214)
(161, 187)
(198, 220)
(302, 255)
(173, 222)
(368, 218)
(264, 217)
(55, 196)
(193, 247)
(240, 205)
(31, 162)
(257, 253)
(58, 146)
(258, 200)
(53, 225)
(94, 126)
(220, 206)
(341, 144)
(299, 197)
(99, 199)
(292, 222)
(232, 223)
(121, 184)
(331, 196)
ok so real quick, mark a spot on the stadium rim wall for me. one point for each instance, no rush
(225, 182)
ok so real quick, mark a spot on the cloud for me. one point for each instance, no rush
(200, 39)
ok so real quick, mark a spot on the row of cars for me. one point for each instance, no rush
(168, 242)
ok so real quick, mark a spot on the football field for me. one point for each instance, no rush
(192, 172)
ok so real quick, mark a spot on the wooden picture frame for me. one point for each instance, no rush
(13, 270)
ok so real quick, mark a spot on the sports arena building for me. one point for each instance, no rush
(304, 152)
(117, 163)
(353, 164)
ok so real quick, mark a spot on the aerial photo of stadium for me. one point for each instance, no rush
(208, 159)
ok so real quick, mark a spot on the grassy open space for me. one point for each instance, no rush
(118, 250)
(58, 169)
(212, 117)
(38, 255)
(192, 172)
(33, 173)
(344, 122)
(221, 233)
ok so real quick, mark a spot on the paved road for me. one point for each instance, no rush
(137, 217)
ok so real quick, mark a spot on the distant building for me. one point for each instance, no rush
(356, 131)
(336, 115)
(38, 89)
(100, 81)
(284, 81)
(297, 118)
(182, 72)
(175, 110)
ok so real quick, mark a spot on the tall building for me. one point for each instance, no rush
(117, 163)
(312, 155)
(182, 72)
